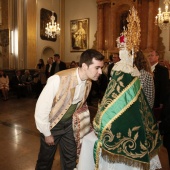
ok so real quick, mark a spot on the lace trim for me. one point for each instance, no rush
(104, 163)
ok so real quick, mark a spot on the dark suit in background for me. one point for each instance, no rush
(161, 78)
(62, 66)
(47, 73)
(57, 65)
(110, 66)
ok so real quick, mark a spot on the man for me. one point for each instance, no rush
(64, 93)
(114, 58)
(57, 65)
(161, 78)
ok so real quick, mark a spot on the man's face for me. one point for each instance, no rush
(94, 70)
(50, 60)
(115, 58)
(153, 58)
(56, 59)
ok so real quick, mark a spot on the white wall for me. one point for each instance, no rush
(52, 5)
(78, 9)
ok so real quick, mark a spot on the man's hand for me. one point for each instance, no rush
(49, 140)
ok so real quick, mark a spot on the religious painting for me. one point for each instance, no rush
(45, 17)
(79, 32)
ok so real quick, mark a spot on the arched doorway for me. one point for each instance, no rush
(46, 53)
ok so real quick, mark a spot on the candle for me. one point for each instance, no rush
(156, 20)
(159, 9)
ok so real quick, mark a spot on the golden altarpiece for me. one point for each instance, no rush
(111, 17)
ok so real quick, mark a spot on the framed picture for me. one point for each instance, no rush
(79, 32)
(45, 17)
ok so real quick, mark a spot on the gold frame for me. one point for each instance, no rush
(79, 33)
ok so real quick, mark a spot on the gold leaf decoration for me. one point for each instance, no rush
(136, 136)
(142, 146)
(129, 133)
(135, 128)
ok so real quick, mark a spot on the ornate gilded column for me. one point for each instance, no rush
(113, 25)
(150, 25)
(107, 26)
(112, 34)
(100, 17)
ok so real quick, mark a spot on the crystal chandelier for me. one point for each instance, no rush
(52, 29)
(163, 18)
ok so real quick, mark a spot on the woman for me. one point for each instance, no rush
(146, 77)
(4, 85)
(41, 77)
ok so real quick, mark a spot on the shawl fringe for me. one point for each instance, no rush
(113, 158)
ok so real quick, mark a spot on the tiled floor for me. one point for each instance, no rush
(19, 138)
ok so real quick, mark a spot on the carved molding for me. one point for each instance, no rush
(110, 18)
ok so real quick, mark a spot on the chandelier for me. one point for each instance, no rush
(52, 29)
(163, 18)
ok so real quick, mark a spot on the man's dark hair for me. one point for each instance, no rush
(57, 55)
(111, 57)
(88, 55)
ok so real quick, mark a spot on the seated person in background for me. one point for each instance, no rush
(4, 85)
(27, 80)
(146, 77)
(18, 85)
(73, 64)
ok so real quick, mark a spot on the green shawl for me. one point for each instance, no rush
(126, 129)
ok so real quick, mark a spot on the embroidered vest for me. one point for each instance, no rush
(65, 95)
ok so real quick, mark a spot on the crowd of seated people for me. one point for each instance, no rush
(19, 83)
